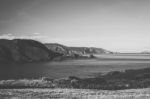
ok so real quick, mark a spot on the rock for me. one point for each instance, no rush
(57, 48)
(75, 51)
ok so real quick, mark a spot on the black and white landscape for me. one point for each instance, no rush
(74, 49)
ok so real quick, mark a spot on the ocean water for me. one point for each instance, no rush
(78, 67)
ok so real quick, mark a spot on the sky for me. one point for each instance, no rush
(116, 25)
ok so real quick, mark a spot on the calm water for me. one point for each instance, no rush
(82, 68)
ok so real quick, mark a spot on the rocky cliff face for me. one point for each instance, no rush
(70, 51)
(90, 50)
(21, 50)
(57, 48)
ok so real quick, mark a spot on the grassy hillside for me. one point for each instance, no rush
(24, 50)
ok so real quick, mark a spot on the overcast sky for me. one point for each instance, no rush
(116, 25)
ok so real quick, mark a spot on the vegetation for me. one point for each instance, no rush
(111, 81)
(24, 50)
(39, 93)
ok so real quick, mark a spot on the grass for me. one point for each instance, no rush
(115, 80)
(74, 94)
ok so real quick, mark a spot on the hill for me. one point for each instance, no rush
(23, 50)
(70, 51)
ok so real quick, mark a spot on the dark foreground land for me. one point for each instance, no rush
(115, 80)
(124, 77)
(106, 72)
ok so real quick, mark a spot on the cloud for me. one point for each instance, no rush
(7, 36)
(35, 36)
(36, 33)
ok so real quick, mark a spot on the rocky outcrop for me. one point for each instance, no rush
(90, 50)
(57, 48)
(72, 51)
(22, 50)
